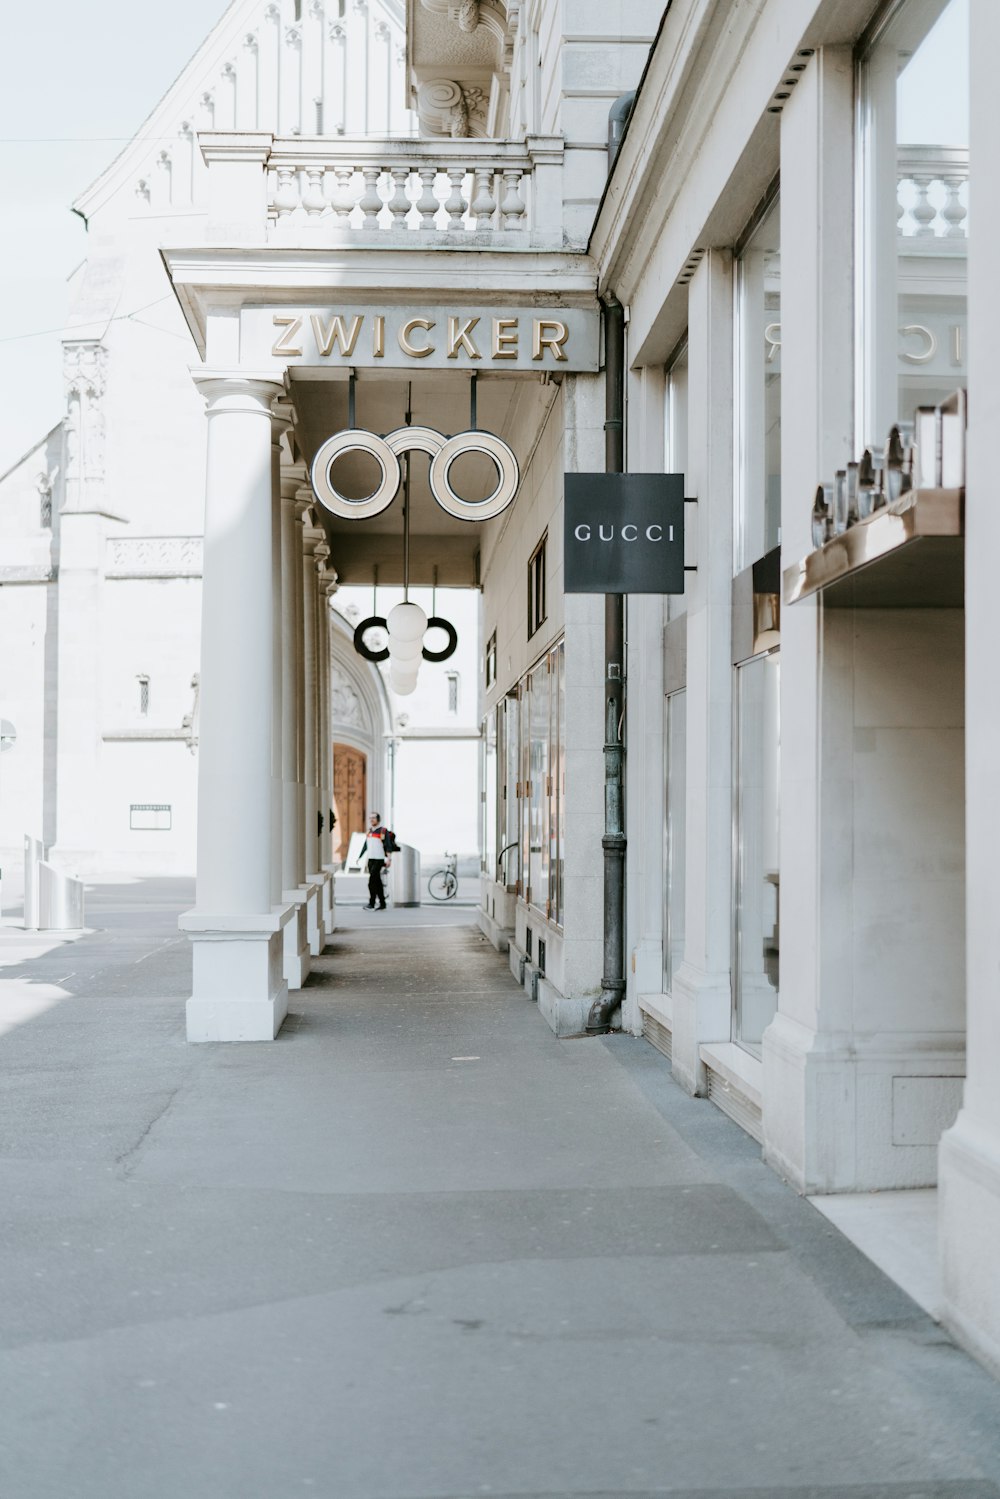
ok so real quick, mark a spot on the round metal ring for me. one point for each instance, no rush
(357, 441)
(436, 622)
(507, 481)
(359, 641)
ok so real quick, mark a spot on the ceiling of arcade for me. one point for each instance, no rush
(513, 407)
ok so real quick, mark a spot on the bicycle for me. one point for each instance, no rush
(443, 883)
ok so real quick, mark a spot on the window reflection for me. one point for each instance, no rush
(915, 204)
(757, 882)
(758, 288)
(676, 805)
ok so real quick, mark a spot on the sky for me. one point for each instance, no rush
(79, 81)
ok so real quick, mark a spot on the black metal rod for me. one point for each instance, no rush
(352, 401)
(474, 401)
(613, 842)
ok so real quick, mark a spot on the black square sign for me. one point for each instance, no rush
(624, 533)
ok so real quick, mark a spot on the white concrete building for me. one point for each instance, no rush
(808, 729)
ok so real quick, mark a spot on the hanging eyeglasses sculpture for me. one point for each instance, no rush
(443, 451)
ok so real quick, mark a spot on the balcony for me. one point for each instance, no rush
(356, 191)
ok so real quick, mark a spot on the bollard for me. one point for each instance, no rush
(405, 876)
(33, 855)
(60, 900)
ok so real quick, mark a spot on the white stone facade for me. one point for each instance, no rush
(809, 799)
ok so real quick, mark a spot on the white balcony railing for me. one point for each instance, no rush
(932, 192)
(319, 190)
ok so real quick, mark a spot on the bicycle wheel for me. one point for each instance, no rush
(442, 884)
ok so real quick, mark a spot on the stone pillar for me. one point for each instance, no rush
(239, 993)
(702, 998)
(280, 423)
(79, 593)
(970, 1150)
(312, 537)
(297, 957)
(328, 585)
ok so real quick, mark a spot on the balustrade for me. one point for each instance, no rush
(370, 186)
(932, 192)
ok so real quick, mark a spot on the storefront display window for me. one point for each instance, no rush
(913, 212)
(490, 798)
(538, 784)
(758, 324)
(676, 439)
(757, 892)
(674, 839)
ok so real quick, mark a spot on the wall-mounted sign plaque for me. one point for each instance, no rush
(381, 337)
(624, 533)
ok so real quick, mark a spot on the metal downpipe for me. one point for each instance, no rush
(613, 842)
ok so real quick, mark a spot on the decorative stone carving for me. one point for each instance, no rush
(189, 723)
(154, 557)
(446, 108)
(468, 15)
(345, 705)
(84, 370)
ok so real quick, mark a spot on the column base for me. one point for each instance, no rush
(329, 901)
(239, 992)
(314, 913)
(969, 1237)
(297, 959)
(702, 1012)
(848, 1113)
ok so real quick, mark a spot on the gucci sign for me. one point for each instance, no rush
(442, 452)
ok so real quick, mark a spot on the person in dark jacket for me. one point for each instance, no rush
(379, 843)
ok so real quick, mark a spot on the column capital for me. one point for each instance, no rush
(237, 390)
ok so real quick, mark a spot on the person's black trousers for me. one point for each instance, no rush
(376, 890)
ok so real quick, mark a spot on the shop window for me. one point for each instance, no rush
(539, 772)
(491, 661)
(490, 782)
(676, 438)
(538, 822)
(913, 211)
(536, 587)
(674, 834)
(758, 427)
(510, 862)
(757, 888)
(452, 678)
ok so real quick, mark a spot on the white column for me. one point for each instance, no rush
(311, 538)
(280, 423)
(805, 1039)
(238, 992)
(701, 986)
(297, 958)
(970, 1150)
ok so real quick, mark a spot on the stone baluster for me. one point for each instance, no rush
(923, 211)
(371, 203)
(427, 205)
(455, 205)
(343, 195)
(954, 211)
(314, 198)
(286, 198)
(484, 203)
(399, 203)
(512, 206)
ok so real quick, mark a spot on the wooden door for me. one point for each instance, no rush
(350, 775)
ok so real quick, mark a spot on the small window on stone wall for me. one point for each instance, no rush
(536, 587)
(143, 696)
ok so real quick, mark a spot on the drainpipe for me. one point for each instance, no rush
(618, 117)
(613, 842)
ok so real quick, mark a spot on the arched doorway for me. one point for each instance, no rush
(350, 796)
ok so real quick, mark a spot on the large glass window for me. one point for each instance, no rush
(757, 887)
(490, 798)
(674, 842)
(510, 864)
(914, 206)
(676, 440)
(758, 323)
(538, 785)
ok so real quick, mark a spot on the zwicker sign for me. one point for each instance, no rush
(501, 338)
(624, 533)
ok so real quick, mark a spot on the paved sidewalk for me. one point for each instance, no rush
(418, 1248)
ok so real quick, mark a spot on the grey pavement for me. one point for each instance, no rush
(418, 1248)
